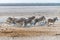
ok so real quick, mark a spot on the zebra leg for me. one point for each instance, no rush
(48, 24)
(35, 23)
(53, 24)
(25, 24)
(31, 24)
(21, 24)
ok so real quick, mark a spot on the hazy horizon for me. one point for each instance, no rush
(29, 4)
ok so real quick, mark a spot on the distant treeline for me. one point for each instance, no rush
(29, 4)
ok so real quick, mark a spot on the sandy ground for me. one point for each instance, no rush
(32, 38)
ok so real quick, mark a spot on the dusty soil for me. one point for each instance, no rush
(34, 31)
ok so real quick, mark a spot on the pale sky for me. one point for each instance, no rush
(29, 1)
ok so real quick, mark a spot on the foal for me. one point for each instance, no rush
(52, 20)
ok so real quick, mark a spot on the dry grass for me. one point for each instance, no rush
(34, 31)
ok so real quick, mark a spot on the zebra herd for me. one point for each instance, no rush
(30, 20)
